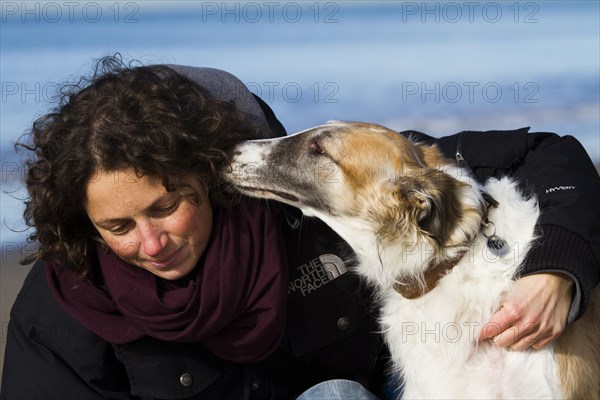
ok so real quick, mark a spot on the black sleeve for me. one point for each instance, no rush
(562, 176)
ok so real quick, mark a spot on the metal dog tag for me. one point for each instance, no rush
(496, 243)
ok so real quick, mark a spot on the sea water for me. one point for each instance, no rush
(437, 67)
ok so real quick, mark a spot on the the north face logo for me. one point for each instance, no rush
(316, 273)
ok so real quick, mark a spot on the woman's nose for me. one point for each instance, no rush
(153, 238)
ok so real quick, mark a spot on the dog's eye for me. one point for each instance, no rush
(315, 148)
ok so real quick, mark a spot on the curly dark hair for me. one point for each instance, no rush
(149, 118)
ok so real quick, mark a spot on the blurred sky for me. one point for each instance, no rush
(438, 67)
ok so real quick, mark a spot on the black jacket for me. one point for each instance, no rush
(332, 327)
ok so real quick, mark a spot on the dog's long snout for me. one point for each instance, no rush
(246, 161)
(248, 150)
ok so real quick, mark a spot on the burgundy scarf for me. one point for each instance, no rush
(233, 302)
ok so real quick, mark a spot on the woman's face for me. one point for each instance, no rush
(147, 226)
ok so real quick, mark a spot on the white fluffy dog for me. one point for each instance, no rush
(440, 257)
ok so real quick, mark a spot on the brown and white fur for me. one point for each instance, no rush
(404, 209)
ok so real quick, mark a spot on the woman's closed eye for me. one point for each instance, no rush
(121, 228)
(159, 211)
(167, 209)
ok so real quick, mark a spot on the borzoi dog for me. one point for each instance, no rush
(440, 248)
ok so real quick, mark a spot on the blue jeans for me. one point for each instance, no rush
(337, 389)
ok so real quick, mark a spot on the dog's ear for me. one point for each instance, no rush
(421, 204)
(436, 210)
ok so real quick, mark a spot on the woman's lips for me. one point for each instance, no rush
(168, 261)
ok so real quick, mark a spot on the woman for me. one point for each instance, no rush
(157, 283)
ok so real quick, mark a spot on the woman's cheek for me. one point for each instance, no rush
(125, 248)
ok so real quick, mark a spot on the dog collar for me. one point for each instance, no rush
(412, 288)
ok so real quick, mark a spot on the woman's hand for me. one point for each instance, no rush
(534, 312)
